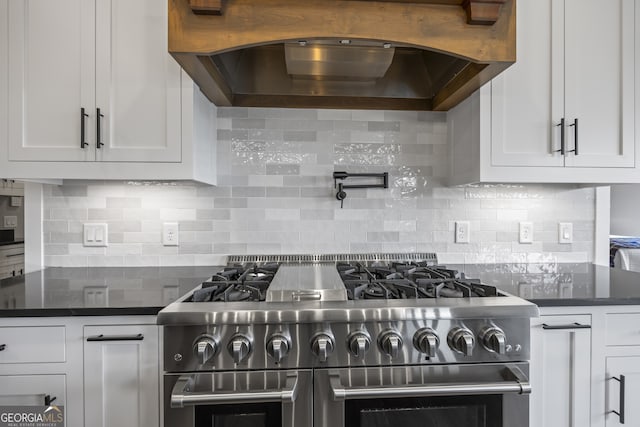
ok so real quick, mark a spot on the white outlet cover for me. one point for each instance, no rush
(565, 232)
(10, 221)
(463, 229)
(170, 234)
(526, 232)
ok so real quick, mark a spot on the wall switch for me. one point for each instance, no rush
(526, 232)
(170, 234)
(565, 232)
(10, 221)
(95, 235)
(462, 231)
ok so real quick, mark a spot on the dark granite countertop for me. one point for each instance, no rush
(146, 290)
(97, 291)
(15, 242)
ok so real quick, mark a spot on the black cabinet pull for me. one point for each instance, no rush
(83, 143)
(12, 255)
(48, 400)
(2, 347)
(620, 413)
(98, 133)
(575, 130)
(569, 326)
(138, 337)
(562, 145)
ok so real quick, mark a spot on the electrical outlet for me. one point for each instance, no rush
(462, 231)
(565, 232)
(170, 234)
(526, 232)
(10, 221)
(95, 235)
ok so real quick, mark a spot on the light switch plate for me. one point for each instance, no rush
(565, 232)
(526, 232)
(10, 221)
(95, 234)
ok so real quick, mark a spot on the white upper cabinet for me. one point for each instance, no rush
(93, 94)
(51, 78)
(565, 111)
(137, 83)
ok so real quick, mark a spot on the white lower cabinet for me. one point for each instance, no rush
(121, 376)
(30, 390)
(561, 371)
(622, 391)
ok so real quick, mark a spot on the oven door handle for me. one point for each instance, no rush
(181, 395)
(515, 382)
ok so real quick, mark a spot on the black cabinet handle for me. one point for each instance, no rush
(83, 143)
(48, 400)
(569, 326)
(138, 337)
(620, 413)
(2, 347)
(12, 255)
(562, 145)
(98, 132)
(575, 130)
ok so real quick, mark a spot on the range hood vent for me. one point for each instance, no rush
(395, 54)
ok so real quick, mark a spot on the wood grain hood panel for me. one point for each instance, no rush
(394, 54)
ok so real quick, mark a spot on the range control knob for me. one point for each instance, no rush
(205, 348)
(359, 343)
(239, 348)
(461, 340)
(494, 339)
(277, 347)
(322, 345)
(390, 343)
(426, 341)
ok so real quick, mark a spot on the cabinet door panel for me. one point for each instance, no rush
(122, 375)
(523, 114)
(599, 60)
(561, 373)
(30, 389)
(51, 76)
(137, 83)
(630, 368)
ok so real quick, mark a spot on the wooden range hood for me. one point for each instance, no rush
(394, 54)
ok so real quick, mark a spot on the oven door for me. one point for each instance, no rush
(482, 395)
(238, 399)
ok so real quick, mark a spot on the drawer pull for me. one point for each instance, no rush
(569, 326)
(12, 255)
(48, 400)
(2, 347)
(620, 413)
(138, 337)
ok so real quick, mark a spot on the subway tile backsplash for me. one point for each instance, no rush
(276, 195)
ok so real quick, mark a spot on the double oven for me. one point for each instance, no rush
(323, 341)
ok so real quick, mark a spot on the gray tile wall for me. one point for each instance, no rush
(276, 195)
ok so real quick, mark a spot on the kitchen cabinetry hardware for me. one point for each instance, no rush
(48, 400)
(575, 130)
(2, 347)
(562, 146)
(137, 337)
(341, 194)
(620, 413)
(82, 129)
(99, 115)
(568, 326)
(14, 255)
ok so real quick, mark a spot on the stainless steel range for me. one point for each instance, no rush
(345, 340)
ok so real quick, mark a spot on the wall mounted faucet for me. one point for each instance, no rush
(341, 176)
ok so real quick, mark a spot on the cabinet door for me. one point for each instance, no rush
(630, 368)
(561, 371)
(599, 76)
(121, 376)
(527, 98)
(29, 390)
(137, 83)
(51, 77)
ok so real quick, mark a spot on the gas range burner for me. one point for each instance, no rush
(408, 281)
(247, 282)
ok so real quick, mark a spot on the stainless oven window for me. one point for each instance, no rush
(463, 411)
(247, 415)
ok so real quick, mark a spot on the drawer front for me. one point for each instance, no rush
(26, 344)
(623, 329)
(12, 255)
